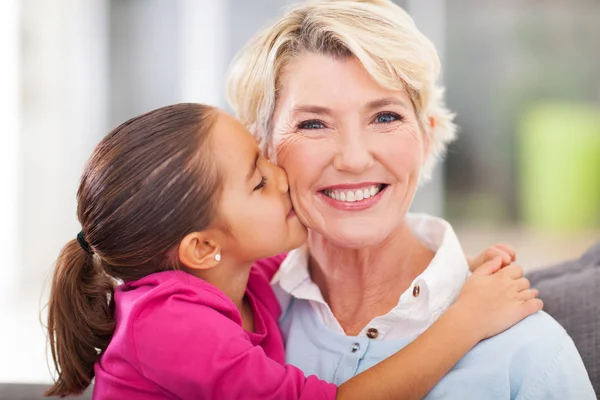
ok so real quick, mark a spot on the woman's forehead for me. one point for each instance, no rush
(316, 81)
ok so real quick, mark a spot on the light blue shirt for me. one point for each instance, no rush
(535, 359)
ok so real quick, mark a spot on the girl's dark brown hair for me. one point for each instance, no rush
(147, 185)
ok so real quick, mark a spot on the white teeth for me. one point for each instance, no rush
(351, 196)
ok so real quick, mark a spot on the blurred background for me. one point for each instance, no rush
(522, 76)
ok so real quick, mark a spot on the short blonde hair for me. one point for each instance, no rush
(378, 33)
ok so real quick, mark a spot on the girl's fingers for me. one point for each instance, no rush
(509, 250)
(495, 251)
(531, 307)
(512, 271)
(522, 284)
(489, 267)
(528, 294)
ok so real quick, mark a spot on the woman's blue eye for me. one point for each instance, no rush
(387, 117)
(311, 124)
(262, 183)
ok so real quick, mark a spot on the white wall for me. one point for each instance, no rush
(204, 39)
(85, 65)
(9, 145)
(63, 112)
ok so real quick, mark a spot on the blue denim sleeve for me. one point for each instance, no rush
(563, 377)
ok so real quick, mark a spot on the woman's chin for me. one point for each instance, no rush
(354, 237)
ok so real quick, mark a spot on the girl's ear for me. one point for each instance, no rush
(198, 251)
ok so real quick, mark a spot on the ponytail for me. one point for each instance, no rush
(80, 318)
(148, 183)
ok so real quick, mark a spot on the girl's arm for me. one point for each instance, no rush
(491, 301)
(191, 347)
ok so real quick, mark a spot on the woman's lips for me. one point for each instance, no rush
(353, 197)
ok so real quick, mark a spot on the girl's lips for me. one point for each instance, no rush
(292, 213)
(355, 205)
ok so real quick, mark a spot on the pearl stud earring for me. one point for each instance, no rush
(218, 257)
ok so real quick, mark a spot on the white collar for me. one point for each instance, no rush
(439, 284)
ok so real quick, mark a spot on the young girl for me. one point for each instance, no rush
(178, 204)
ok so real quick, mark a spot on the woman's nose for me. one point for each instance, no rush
(353, 155)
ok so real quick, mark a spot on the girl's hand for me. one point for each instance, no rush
(505, 252)
(494, 299)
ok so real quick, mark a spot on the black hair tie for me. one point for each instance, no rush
(83, 243)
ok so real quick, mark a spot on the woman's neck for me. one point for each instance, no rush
(361, 284)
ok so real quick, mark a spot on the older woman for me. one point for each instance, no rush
(343, 96)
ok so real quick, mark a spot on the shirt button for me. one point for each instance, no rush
(416, 291)
(355, 347)
(372, 333)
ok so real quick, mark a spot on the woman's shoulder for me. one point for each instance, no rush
(524, 337)
(542, 359)
(532, 344)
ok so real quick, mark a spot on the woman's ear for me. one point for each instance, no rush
(432, 122)
(198, 251)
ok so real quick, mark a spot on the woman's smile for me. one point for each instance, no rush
(353, 197)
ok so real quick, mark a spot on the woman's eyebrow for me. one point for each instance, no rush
(311, 109)
(386, 101)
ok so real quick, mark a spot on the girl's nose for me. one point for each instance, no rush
(281, 180)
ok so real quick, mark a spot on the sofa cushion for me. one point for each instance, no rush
(27, 391)
(571, 294)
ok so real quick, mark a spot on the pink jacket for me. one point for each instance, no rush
(178, 337)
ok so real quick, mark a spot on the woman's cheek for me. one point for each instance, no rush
(406, 150)
(296, 156)
(285, 144)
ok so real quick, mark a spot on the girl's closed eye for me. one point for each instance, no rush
(263, 181)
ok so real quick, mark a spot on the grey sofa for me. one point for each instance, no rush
(23, 391)
(571, 294)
